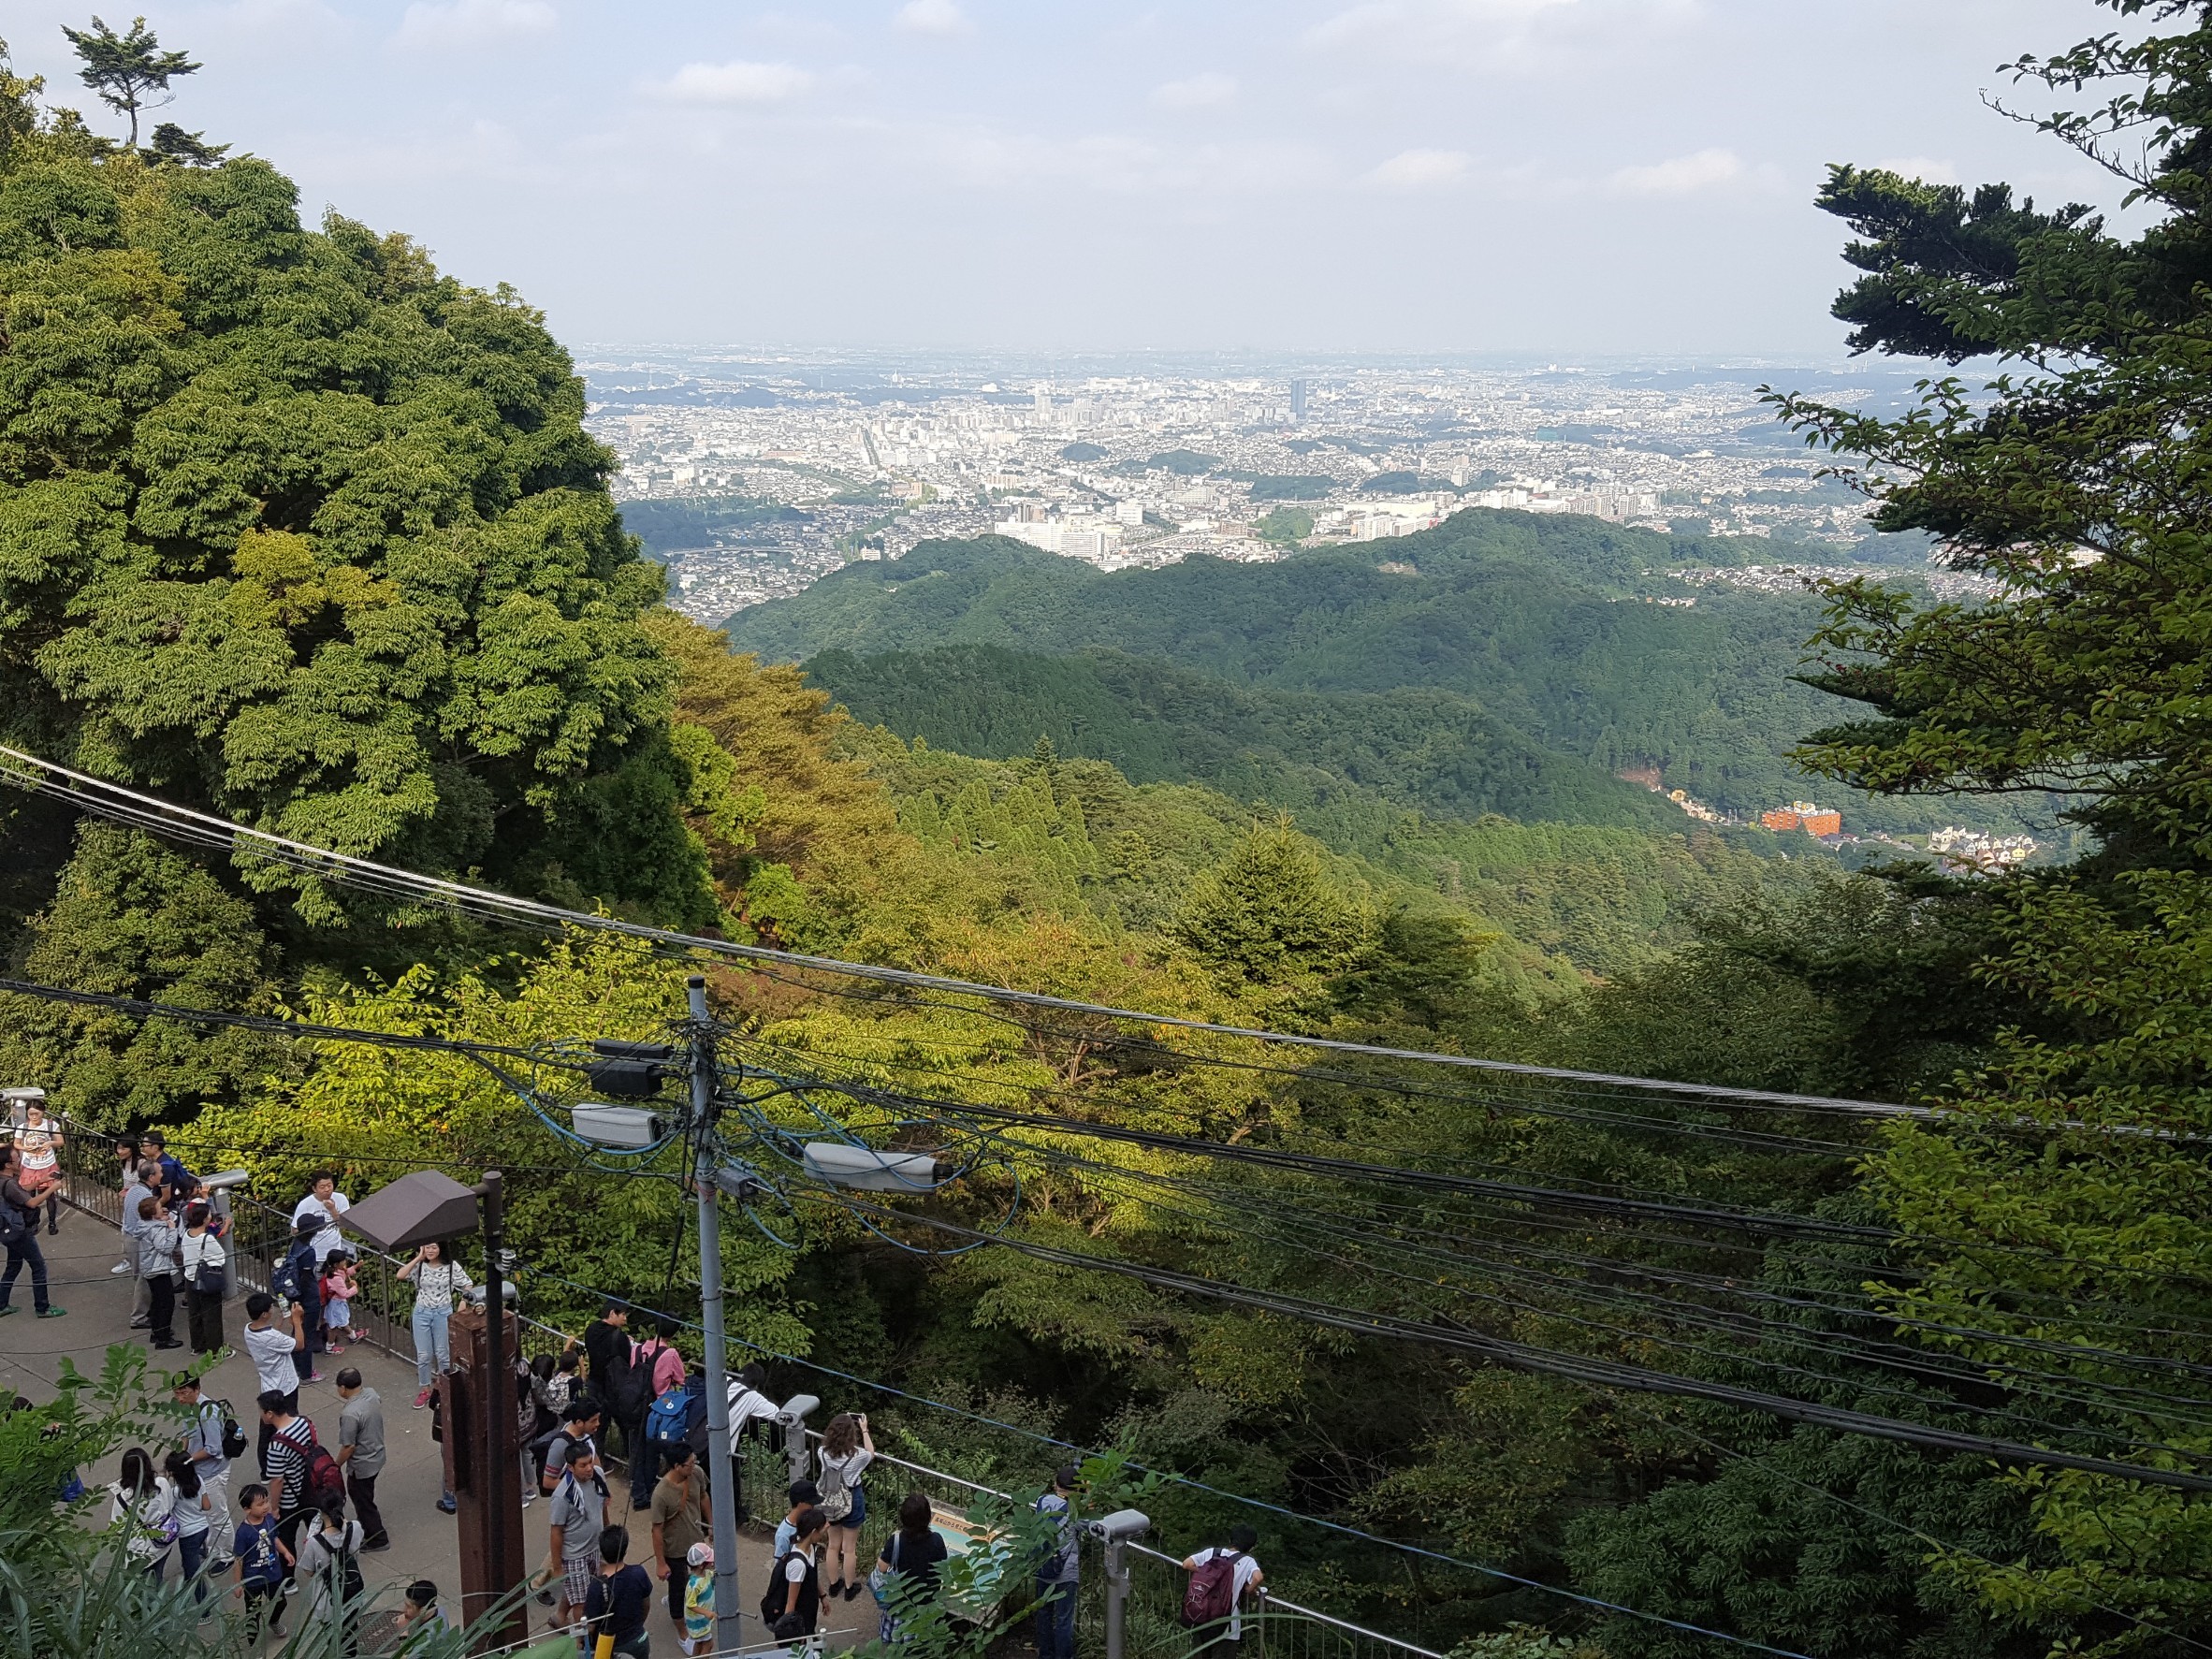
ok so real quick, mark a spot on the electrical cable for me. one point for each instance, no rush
(1596, 1373)
(104, 797)
(1932, 1366)
(1870, 1350)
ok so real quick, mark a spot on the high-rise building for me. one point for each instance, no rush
(1298, 399)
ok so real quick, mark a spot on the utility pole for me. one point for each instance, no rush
(728, 1638)
(494, 1391)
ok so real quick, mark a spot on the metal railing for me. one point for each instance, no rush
(1272, 1625)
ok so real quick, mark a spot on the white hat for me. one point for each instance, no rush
(700, 1556)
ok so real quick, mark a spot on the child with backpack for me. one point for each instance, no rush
(792, 1606)
(328, 1568)
(1220, 1578)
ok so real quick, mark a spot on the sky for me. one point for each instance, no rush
(1581, 178)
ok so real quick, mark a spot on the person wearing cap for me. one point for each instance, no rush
(698, 1622)
(1057, 1574)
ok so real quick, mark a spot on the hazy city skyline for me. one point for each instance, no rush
(1576, 176)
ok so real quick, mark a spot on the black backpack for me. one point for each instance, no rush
(233, 1437)
(634, 1383)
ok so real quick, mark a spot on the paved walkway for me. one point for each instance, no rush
(424, 1545)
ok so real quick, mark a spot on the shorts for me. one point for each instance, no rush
(35, 1181)
(858, 1513)
(576, 1573)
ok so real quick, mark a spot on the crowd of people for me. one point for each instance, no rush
(621, 1391)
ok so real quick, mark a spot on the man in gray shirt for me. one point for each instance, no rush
(578, 1514)
(360, 1454)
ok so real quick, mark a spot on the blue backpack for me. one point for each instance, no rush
(670, 1418)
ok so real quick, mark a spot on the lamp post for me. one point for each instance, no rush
(413, 1210)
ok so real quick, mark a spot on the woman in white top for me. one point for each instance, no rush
(39, 1138)
(145, 1503)
(193, 1513)
(205, 1260)
(847, 1450)
(437, 1282)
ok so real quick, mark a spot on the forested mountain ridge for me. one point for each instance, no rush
(1538, 620)
(1423, 749)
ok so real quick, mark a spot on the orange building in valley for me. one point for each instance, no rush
(1804, 815)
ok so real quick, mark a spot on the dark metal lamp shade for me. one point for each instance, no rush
(413, 1210)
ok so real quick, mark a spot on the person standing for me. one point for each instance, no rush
(19, 1233)
(437, 1281)
(1058, 1573)
(143, 1503)
(330, 1570)
(750, 1406)
(579, 1426)
(681, 1515)
(157, 1266)
(846, 1450)
(143, 1178)
(291, 1446)
(911, 1559)
(361, 1453)
(606, 1346)
(619, 1599)
(339, 1290)
(206, 1261)
(39, 1139)
(1221, 1579)
(270, 1346)
(211, 1462)
(698, 1637)
(577, 1514)
(264, 1561)
(299, 1279)
(194, 1516)
(126, 1153)
(651, 1363)
(326, 1206)
(793, 1607)
(176, 1180)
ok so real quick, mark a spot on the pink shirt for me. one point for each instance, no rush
(668, 1369)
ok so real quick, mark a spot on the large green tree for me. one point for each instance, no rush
(295, 528)
(2071, 1183)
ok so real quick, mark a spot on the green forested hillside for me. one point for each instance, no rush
(1538, 620)
(1423, 749)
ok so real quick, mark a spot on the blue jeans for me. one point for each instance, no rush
(26, 1249)
(431, 1342)
(192, 1549)
(1056, 1620)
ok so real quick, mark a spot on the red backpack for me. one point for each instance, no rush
(1211, 1596)
(325, 1478)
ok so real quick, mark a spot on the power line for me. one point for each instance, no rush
(1579, 1368)
(109, 799)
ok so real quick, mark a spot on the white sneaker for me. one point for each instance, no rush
(121, 1267)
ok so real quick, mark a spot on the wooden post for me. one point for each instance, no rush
(490, 1497)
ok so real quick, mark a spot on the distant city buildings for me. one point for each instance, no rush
(1979, 852)
(838, 451)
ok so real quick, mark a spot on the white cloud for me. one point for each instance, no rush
(1421, 169)
(1683, 175)
(1512, 37)
(932, 17)
(735, 83)
(1197, 91)
(1925, 168)
(474, 23)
